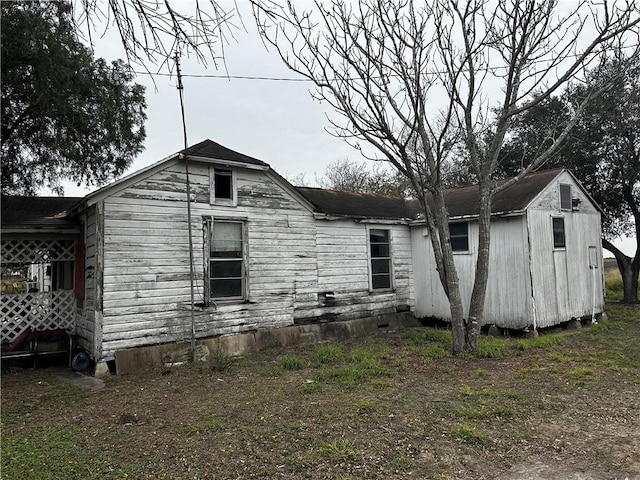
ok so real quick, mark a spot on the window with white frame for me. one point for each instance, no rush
(459, 236)
(226, 268)
(380, 253)
(223, 189)
(558, 232)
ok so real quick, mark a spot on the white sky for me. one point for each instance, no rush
(275, 121)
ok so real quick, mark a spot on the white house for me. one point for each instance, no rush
(269, 255)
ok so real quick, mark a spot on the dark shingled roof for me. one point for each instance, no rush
(37, 212)
(460, 201)
(213, 150)
(465, 201)
(360, 205)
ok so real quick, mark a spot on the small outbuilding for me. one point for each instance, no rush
(545, 258)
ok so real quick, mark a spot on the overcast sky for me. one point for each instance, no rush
(276, 121)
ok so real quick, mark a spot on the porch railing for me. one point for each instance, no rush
(37, 311)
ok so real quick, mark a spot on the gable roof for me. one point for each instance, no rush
(465, 201)
(37, 213)
(358, 205)
(205, 151)
(461, 202)
(215, 151)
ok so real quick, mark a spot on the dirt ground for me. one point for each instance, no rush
(390, 406)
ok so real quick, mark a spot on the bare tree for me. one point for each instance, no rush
(352, 176)
(156, 30)
(440, 77)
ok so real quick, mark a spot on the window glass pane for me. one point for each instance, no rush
(223, 184)
(565, 197)
(380, 266)
(381, 281)
(459, 235)
(379, 236)
(460, 244)
(456, 229)
(226, 240)
(223, 288)
(379, 250)
(226, 269)
(558, 233)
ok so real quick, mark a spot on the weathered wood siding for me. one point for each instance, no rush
(565, 285)
(290, 261)
(146, 258)
(508, 300)
(85, 317)
(343, 272)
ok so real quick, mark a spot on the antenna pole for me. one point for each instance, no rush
(192, 348)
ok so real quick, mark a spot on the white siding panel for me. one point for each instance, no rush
(564, 286)
(507, 302)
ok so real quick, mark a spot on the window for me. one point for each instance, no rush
(380, 251)
(459, 235)
(565, 197)
(222, 186)
(558, 232)
(226, 260)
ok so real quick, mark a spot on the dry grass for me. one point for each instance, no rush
(382, 407)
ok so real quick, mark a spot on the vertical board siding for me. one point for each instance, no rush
(530, 282)
(507, 302)
(563, 284)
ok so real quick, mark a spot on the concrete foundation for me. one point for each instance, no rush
(155, 356)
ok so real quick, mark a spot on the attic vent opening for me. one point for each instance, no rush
(566, 202)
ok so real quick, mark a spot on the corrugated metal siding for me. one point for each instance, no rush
(507, 303)
(563, 283)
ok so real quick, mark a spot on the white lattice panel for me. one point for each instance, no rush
(37, 251)
(40, 311)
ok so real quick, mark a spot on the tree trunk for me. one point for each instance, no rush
(449, 275)
(478, 295)
(629, 271)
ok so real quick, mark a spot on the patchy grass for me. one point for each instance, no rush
(292, 363)
(491, 347)
(466, 433)
(393, 405)
(543, 342)
(327, 354)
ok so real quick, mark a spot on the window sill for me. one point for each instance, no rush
(468, 252)
(382, 291)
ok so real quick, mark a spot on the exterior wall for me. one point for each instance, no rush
(85, 317)
(508, 301)
(530, 282)
(343, 290)
(565, 285)
(146, 297)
